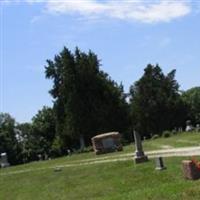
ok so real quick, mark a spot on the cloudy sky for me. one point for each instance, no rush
(125, 34)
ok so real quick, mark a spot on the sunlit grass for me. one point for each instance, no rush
(117, 180)
(113, 180)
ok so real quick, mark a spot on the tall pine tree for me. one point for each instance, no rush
(86, 100)
(155, 102)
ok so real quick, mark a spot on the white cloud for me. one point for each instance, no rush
(137, 10)
(131, 10)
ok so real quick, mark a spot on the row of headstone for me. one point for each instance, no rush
(4, 160)
(190, 127)
(198, 127)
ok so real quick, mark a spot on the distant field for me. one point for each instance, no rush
(113, 180)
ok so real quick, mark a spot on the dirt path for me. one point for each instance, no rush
(186, 151)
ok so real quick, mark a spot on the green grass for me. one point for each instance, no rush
(107, 181)
(119, 180)
(179, 140)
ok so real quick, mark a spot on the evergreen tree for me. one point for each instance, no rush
(86, 100)
(191, 98)
(155, 102)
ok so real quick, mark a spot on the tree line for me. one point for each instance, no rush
(86, 102)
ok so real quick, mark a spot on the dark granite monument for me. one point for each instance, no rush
(139, 153)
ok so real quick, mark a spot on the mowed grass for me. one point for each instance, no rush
(175, 141)
(108, 181)
(112, 180)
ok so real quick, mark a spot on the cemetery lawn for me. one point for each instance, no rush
(108, 181)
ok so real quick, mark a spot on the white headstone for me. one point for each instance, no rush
(4, 160)
(160, 164)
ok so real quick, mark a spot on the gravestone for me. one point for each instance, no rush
(198, 128)
(69, 153)
(4, 160)
(190, 170)
(180, 130)
(39, 157)
(57, 169)
(139, 153)
(188, 126)
(160, 164)
(107, 142)
(82, 142)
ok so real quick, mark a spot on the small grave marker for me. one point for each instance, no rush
(4, 160)
(57, 169)
(160, 164)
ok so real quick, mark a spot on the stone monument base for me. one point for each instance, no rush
(160, 168)
(141, 159)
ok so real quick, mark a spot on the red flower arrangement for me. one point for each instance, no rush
(196, 162)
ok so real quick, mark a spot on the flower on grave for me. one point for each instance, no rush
(196, 162)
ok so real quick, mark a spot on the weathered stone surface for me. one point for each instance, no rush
(140, 157)
(160, 164)
(190, 170)
(107, 142)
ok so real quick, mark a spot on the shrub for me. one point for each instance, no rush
(85, 150)
(124, 141)
(166, 134)
(155, 137)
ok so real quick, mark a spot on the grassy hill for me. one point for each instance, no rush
(112, 180)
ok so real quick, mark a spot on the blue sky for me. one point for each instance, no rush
(126, 36)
